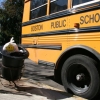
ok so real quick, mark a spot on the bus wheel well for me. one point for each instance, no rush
(68, 54)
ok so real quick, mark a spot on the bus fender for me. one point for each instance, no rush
(77, 49)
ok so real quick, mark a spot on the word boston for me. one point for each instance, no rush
(37, 28)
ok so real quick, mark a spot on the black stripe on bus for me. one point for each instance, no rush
(46, 63)
(64, 13)
(68, 31)
(52, 47)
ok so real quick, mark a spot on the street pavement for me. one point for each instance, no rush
(43, 74)
(34, 85)
(31, 90)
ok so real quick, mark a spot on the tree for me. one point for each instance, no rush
(11, 19)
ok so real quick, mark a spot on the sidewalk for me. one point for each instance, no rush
(32, 90)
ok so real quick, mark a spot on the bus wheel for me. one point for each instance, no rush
(80, 76)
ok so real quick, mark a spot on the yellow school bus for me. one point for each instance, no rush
(65, 34)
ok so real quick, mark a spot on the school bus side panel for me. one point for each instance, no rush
(86, 19)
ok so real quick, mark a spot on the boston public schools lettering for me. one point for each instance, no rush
(58, 24)
(94, 18)
(36, 28)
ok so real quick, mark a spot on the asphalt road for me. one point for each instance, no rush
(43, 74)
(37, 83)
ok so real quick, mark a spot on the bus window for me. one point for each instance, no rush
(57, 5)
(77, 3)
(37, 3)
(38, 8)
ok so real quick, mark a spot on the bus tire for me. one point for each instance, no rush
(80, 76)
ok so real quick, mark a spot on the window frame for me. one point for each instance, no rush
(84, 4)
(58, 11)
(37, 8)
(68, 6)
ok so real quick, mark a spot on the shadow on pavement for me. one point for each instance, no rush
(36, 72)
(52, 78)
(43, 74)
(48, 93)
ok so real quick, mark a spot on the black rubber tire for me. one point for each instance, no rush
(72, 66)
